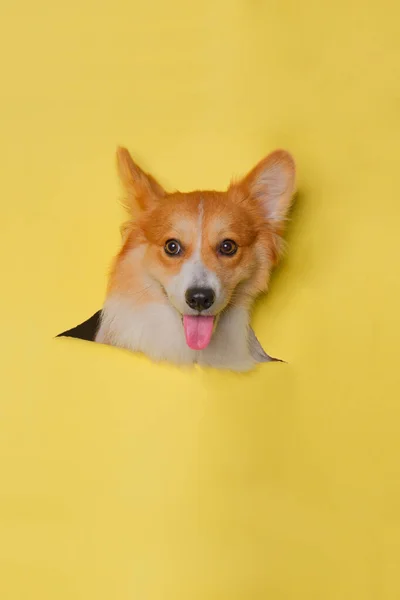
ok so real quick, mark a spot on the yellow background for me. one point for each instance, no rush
(124, 480)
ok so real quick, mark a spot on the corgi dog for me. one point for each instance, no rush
(191, 264)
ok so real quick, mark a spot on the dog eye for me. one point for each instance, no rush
(172, 247)
(228, 248)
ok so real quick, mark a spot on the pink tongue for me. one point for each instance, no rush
(198, 331)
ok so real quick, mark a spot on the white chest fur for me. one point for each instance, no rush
(157, 331)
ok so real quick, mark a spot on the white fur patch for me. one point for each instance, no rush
(154, 329)
(157, 331)
(195, 274)
(229, 346)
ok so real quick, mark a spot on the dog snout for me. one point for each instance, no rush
(200, 298)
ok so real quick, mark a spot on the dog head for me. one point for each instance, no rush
(208, 250)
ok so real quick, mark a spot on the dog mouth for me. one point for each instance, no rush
(198, 330)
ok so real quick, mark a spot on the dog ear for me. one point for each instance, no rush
(142, 191)
(272, 184)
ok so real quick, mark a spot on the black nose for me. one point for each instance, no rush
(200, 298)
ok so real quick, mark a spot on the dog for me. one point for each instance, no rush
(191, 265)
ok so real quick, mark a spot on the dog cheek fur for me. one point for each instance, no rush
(264, 258)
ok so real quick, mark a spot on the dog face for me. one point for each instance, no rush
(207, 250)
(201, 246)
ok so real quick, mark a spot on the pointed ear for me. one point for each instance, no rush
(272, 184)
(142, 190)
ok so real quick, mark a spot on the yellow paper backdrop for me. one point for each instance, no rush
(124, 480)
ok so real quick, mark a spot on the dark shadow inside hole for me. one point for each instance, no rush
(86, 330)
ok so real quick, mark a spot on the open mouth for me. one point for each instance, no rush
(198, 330)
